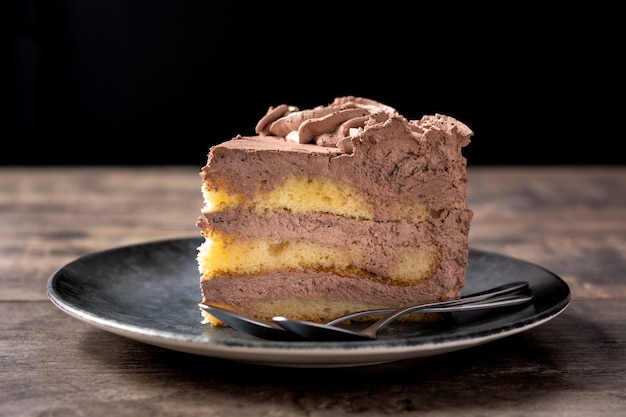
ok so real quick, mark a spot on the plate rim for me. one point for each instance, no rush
(297, 354)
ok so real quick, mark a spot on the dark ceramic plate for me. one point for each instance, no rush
(150, 292)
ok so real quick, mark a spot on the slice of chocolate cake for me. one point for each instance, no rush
(335, 209)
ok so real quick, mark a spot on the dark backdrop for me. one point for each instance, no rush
(159, 82)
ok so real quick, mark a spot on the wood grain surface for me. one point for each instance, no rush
(570, 220)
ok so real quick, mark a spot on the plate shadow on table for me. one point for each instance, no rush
(528, 364)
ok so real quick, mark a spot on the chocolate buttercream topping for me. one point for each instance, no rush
(327, 125)
(345, 119)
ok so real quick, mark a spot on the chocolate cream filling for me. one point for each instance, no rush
(311, 286)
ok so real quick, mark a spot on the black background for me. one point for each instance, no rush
(159, 82)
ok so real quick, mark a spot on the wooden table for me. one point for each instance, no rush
(570, 220)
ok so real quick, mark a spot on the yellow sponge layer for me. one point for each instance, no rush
(312, 310)
(220, 255)
(299, 195)
(317, 194)
(219, 200)
(415, 263)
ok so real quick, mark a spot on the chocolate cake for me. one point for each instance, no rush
(335, 209)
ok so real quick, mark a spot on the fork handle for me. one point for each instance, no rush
(509, 288)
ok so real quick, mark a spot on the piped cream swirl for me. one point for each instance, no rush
(332, 125)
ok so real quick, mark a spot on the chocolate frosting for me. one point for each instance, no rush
(391, 160)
